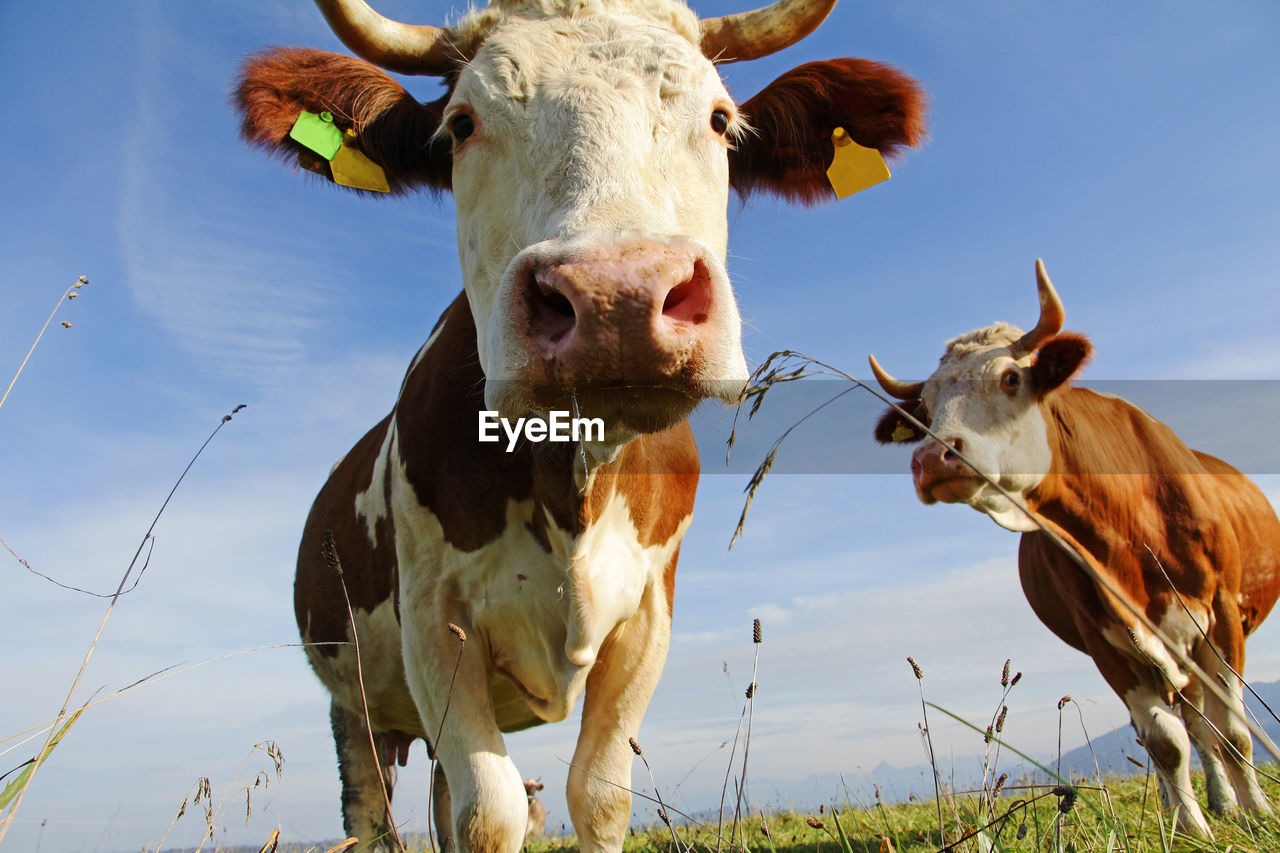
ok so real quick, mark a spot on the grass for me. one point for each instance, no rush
(1117, 815)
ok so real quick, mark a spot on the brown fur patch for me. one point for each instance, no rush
(793, 118)
(393, 128)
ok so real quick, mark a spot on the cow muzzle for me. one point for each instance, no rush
(940, 475)
(635, 330)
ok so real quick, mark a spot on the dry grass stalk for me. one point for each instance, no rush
(63, 721)
(433, 746)
(745, 717)
(927, 739)
(329, 552)
(272, 843)
(679, 842)
(344, 846)
(203, 796)
(68, 295)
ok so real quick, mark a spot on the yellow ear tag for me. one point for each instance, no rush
(854, 167)
(352, 168)
(902, 432)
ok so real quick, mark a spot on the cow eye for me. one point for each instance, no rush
(462, 126)
(1010, 380)
(720, 121)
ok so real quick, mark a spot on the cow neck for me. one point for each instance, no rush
(1120, 479)
(468, 485)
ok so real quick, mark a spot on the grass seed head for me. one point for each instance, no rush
(328, 550)
(1017, 676)
(755, 631)
(814, 822)
(751, 690)
(1004, 777)
(1063, 701)
(915, 667)
(1004, 711)
(458, 632)
(1135, 762)
(635, 747)
(1004, 673)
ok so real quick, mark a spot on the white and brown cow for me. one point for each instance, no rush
(1113, 482)
(590, 146)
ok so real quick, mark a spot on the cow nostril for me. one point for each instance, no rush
(677, 295)
(690, 301)
(954, 446)
(553, 314)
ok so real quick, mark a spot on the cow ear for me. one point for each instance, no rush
(392, 128)
(792, 119)
(893, 428)
(1059, 360)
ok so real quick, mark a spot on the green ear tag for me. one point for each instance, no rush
(318, 133)
(854, 167)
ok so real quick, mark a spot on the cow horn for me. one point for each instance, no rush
(760, 32)
(404, 48)
(1052, 315)
(895, 387)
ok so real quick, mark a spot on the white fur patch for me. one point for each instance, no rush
(371, 504)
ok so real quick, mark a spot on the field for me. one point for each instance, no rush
(1120, 814)
(1116, 815)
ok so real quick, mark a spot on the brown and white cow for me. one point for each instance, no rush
(590, 146)
(1113, 482)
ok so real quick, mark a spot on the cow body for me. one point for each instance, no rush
(1189, 540)
(590, 147)
(552, 582)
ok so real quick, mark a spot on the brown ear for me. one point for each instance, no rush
(393, 129)
(892, 428)
(1058, 360)
(794, 116)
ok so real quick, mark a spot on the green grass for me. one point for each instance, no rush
(1120, 815)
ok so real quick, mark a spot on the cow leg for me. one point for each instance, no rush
(486, 792)
(618, 690)
(442, 810)
(1235, 743)
(1130, 668)
(1169, 746)
(364, 809)
(1222, 794)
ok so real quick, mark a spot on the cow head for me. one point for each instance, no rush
(986, 402)
(590, 146)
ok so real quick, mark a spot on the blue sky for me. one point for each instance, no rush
(1132, 147)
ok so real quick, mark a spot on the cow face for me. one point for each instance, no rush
(985, 403)
(590, 147)
(592, 188)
